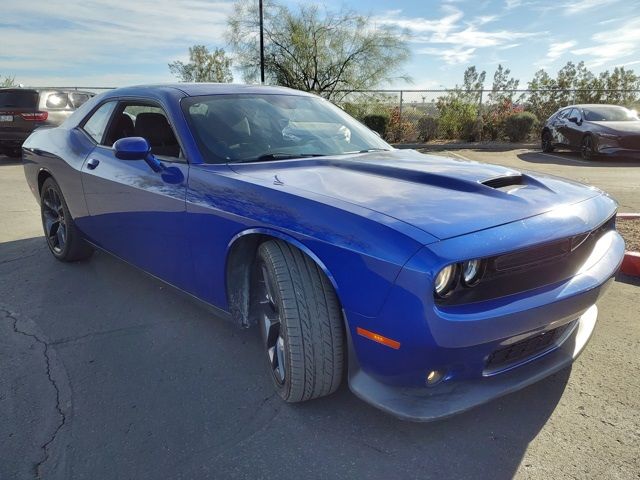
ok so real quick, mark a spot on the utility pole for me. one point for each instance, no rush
(261, 45)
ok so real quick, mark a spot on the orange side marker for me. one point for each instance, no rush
(378, 338)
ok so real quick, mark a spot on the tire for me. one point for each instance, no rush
(586, 148)
(547, 142)
(63, 238)
(300, 320)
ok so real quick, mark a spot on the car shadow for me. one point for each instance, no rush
(573, 159)
(160, 388)
(5, 160)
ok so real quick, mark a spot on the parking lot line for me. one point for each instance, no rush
(458, 155)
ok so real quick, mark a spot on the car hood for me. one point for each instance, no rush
(442, 196)
(620, 127)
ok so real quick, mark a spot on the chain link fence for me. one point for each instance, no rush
(421, 116)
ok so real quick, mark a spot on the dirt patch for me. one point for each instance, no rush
(630, 231)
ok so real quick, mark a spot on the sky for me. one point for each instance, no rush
(124, 42)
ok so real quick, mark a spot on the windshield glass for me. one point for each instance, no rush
(256, 127)
(609, 114)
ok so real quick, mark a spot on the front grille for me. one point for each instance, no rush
(530, 268)
(519, 352)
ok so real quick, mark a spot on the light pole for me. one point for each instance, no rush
(261, 45)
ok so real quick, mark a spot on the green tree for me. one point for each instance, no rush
(502, 90)
(7, 81)
(329, 53)
(203, 66)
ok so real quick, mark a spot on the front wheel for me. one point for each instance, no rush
(586, 148)
(63, 238)
(300, 320)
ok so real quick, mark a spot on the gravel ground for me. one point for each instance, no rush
(630, 231)
(107, 373)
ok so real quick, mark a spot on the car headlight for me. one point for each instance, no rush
(472, 272)
(446, 280)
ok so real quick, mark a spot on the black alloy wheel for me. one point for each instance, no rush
(63, 238)
(547, 142)
(586, 148)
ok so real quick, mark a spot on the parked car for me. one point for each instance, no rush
(593, 130)
(22, 110)
(436, 283)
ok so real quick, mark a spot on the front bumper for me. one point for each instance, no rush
(460, 340)
(619, 152)
(450, 398)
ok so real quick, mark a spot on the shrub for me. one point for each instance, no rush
(457, 118)
(471, 130)
(400, 130)
(427, 128)
(518, 126)
(356, 110)
(378, 123)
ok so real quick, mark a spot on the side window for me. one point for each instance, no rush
(149, 122)
(97, 123)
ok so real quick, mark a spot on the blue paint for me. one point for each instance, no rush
(381, 225)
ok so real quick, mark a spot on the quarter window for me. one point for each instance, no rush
(98, 121)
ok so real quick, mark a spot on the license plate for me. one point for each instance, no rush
(6, 118)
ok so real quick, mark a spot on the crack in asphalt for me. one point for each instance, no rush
(21, 257)
(63, 417)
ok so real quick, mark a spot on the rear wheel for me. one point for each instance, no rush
(586, 148)
(63, 238)
(547, 142)
(300, 320)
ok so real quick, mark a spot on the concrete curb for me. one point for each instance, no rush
(628, 216)
(631, 264)
(631, 261)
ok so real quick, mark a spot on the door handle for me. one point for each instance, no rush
(93, 163)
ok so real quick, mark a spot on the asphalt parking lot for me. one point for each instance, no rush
(108, 373)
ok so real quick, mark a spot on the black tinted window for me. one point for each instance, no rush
(66, 101)
(18, 98)
(97, 122)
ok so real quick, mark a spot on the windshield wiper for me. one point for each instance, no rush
(281, 156)
(367, 150)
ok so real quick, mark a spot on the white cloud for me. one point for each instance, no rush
(581, 6)
(556, 50)
(453, 40)
(609, 46)
(83, 33)
(451, 56)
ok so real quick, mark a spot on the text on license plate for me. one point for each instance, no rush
(6, 118)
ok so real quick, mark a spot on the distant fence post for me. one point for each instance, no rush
(400, 112)
(480, 116)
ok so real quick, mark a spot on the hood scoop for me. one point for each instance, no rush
(505, 182)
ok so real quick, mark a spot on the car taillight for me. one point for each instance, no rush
(35, 116)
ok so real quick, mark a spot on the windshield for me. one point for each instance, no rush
(256, 127)
(609, 114)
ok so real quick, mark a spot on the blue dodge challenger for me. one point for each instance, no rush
(434, 284)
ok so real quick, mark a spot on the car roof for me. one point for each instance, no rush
(198, 89)
(590, 105)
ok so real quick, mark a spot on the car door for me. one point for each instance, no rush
(558, 125)
(136, 213)
(573, 128)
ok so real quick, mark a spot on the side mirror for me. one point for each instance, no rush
(573, 120)
(137, 148)
(132, 148)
